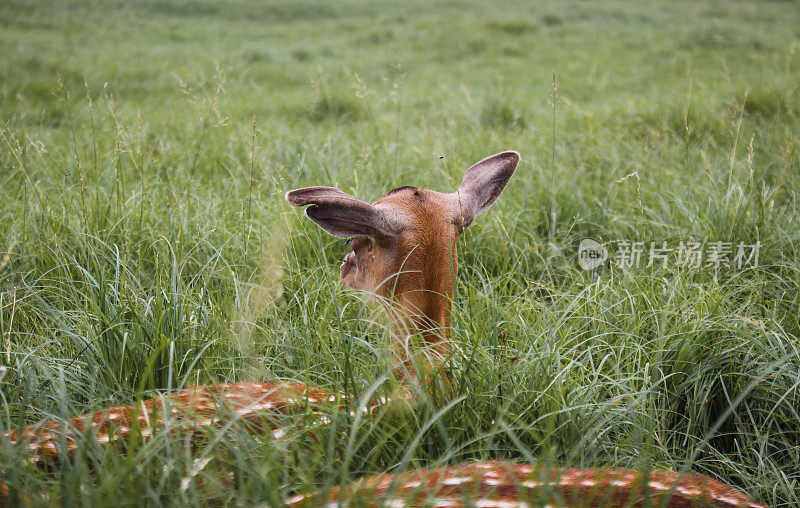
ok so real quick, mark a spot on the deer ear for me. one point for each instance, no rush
(483, 183)
(341, 214)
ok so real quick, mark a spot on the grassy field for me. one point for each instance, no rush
(145, 246)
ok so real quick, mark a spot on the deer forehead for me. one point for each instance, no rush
(412, 205)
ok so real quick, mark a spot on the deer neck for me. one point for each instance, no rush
(420, 306)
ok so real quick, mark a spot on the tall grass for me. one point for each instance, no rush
(146, 246)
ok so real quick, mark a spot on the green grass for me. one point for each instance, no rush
(146, 147)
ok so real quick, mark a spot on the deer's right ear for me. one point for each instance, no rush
(343, 215)
(483, 182)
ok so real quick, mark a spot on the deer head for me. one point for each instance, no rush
(404, 244)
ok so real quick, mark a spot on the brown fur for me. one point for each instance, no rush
(408, 259)
(419, 269)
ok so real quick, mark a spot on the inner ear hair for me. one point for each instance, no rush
(483, 183)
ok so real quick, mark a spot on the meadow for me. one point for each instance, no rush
(145, 246)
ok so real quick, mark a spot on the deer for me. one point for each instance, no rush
(404, 256)
(511, 485)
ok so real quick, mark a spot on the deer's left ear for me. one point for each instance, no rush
(482, 185)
